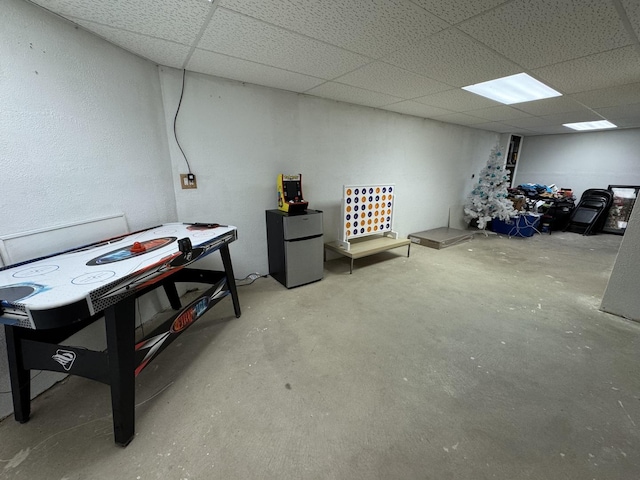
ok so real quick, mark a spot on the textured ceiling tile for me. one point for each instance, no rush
(460, 119)
(417, 109)
(457, 100)
(370, 27)
(535, 33)
(632, 7)
(531, 122)
(455, 11)
(613, 68)
(452, 57)
(346, 93)
(494, 127)
(610, 97)
(175, 20)
(235, 35)
(385, 78)
(159, 51)
(627, 122)
(230, 67)
(549, 106)
(621, 111)
(571, 117)
(496, 114)
(553, 130)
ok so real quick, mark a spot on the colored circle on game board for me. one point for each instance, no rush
(125, 252)
(348, 224)
(348, 191)
(348, 208)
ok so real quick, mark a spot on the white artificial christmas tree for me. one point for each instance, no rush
(488, 200)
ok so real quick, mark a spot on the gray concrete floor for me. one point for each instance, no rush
(486, 360)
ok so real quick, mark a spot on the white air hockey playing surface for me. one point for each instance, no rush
(97, 275)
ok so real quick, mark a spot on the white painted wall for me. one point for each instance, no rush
(81, 133)
(239, 137)
(581, 160)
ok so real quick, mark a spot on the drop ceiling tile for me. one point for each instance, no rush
(455, 11)
(550, 120)
(385, 78)
(157, 50)
(553, 130)
(530, 123)
(627, 122)
(460, 119)
(457, 100)
(609, 69)
(494, 127)
(239, 36)
(373, 28)
(454, 58)
(632, 7)
(610, 97)
(503, 112)
(219, 65)
(346, 93)
(621, 111)
(549, 106)
(417, 109)
(584, 115)
(176, 20)
(536, 33)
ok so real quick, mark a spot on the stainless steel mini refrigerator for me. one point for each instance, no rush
(295, 246)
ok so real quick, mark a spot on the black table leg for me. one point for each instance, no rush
(231, 280)
(120, 327)
(172, 294)
(20, 377)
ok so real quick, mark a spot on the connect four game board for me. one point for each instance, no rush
(367, 210)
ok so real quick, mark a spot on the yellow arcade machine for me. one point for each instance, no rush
(290, 198)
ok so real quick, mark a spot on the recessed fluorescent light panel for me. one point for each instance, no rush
(599, 125)
(513, 89)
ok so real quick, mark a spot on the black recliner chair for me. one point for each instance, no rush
(591, 212)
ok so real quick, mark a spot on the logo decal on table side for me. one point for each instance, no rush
(190, 315)
(65, 358)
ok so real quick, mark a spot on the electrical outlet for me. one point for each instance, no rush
(188, 180)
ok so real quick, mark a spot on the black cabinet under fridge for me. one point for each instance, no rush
(295, 247)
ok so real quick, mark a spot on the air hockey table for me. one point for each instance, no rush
(46, 300)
